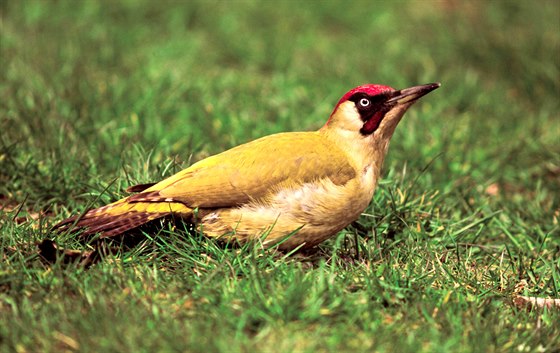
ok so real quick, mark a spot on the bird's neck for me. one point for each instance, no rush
(364, 152)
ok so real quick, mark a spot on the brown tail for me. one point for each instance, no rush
(120, 217)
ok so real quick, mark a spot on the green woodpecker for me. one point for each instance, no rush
(296, 189)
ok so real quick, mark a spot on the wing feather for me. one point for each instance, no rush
(252, 170)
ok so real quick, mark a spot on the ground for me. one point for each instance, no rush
(97, 96)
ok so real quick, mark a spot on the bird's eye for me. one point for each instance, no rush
(364, 102)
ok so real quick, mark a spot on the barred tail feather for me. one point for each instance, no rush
(120, 217)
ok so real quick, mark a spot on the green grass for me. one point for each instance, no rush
(97, 96)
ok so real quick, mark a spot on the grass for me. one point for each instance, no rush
(97, 96)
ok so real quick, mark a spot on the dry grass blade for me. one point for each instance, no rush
(522, 301)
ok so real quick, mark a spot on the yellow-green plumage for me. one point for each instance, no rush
(310, 183)
(246, 174)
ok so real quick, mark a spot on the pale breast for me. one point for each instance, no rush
(315, 210)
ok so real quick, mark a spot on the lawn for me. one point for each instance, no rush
(101, 95)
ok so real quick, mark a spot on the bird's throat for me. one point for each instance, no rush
(372, 123)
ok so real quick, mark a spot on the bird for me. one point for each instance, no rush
(292, 190)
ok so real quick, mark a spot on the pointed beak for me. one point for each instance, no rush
(409, 95)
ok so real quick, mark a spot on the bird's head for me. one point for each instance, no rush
(373, 111)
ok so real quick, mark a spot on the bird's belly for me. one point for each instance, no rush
(300, 215)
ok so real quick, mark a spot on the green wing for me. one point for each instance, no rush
(252, 170)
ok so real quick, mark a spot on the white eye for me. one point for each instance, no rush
(364, 102)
